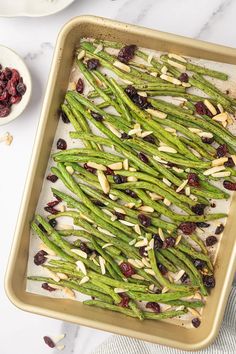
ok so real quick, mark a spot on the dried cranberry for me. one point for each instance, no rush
(222, 150)
(57, 197)
(199, 263)
(49, 341)
(202, 109)
(47, 287)
(184, 278)
(98, 203)
(11, 88)
(143, 157)
(209, 281)
(219, 229)
(207, 140)
(97, 116)
(89, 169)
(184, 77)
(4, 96)
(120, 216)
(231, 186)
(213, 205)
(202, 224)
(140, 101)
(198, 209)
(126, 53)
(7, 73)
(153, 306)
(15, 99)
(40, 258)
(124, 300)
(162, 268)
(118, 179)
(193, 180)
(127, 269)
(229, 162)
(169, 242)
(125, 136)
(61, 144)
(21, 88)
(53, 223)
(131, 91)
(93, 64)
(64, 117)
(144, 220)
(196, 322)
(158, 243)
(52, 178)
(4, 111)
(109, 172)
(51, 210)
(187, 227)
(131, 193)
(211, 240)
(53, 203)
(80, 86)
(149, 139)
(83, 246)
(142, 251)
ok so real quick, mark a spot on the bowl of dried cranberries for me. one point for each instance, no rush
(15, 85)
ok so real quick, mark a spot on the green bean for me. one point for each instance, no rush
(166, 297)
(166, 263)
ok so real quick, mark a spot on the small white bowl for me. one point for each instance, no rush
(10, 59)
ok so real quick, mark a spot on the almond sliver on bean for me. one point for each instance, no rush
(156, 113)
(221, 117)
(171, 79)
(176, 65)
(219, 162)
(177, 57)
(116, 166)
(121, 66)
(103, 182)
(210, 106)
(96, 166)
(221, 174)
(167, 149)
(212, 170)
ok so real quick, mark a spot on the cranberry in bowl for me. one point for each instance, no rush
(15, 85)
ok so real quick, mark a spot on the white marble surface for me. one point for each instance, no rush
(34, 39)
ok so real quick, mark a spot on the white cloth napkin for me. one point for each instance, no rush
(225, 342)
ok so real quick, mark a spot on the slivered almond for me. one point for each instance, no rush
(167, 149)
(234, 158)
(84, 280)
(182, 186)
(195, 130)
(170, 130)
(137, 229)
(70, 170)
(157, 158)
(98, 49)
(107, 245)
(164, 70)
(97, 166)
(186, 84)
(53, 275)
(72, 86)
(116, 166)
(81, 54)
(107, 212)
(152, 287)
(61, 208)
(103, 182)
(154, 73)
(219, 162)
(55, 286)
(141, 243)
(62, 226)
(80, 266)
(132, 242)
(165, 290)
(221, 174)
(113, 197)
(69, 293)
(128, 82)
(132, 179)
(45, 248)
(224, 124)
(149, 58)
(178, 170)
(146, 263)
(205, 135)
(230, 119)
(106, 232)
(195, 152)
(179, 308)
(137, 276)
(179, 275)
(197, 296)
(160, 232)
(170, 278)
(187, 191)
(221, 109)
(113, 218)
(121, 66)
(166, 202)
(156, 113)
(130, 205)
(127, 223)
(146, 208)
(142, 93)
(176, 65)
(193, 197)
(113, 129)
(119, 290)
(193, 312)
(151, 243)
(178, 239)
(171, 79)
(79, 252)
(119, 210)
(139, 263)
(135, 131)
(83, 216)
(212, 170)
(177, 57)
(132, 169)
(166, 181)
(126, 164)
(221, 117)
(155, 196)
(210, 106)
(102, 264)
(135, 263)
(146, 133)
(62, 276)
(149, 271)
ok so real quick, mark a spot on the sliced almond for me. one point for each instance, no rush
(149, 58)
(176, 65)
(193, 197)
(119, 210)
(142, 93)
(53, 275)
(193, 312)
(167, 202)
(107, 212)
(197, 296)
(167, 149)
(106, 232)
(186, 84)
(107, 245)
(221, 174)
(62, 276)
(165, 290)
(130, 205)
(170, 130)
(137, 276)
(126, 164)
(81, 54)
(166, 181)
(6, 138)
(103, 182)
(146, 133)
(132, 169)
(149, 271)
(116, 166)
(98, 49)
(221, 117)
(121, 66)
(171, 79)
(182, 186)
(146, 208)
(146, 263)
(84, 280)
(85, 217)
(154, 74)
(79, 252)
(128, 82)
(210, 106)
(156, 113)
(161, 234)
(132, 242)
(127, 223)
(151, 243)
(178, 170)
(219, 106)
(178, 239)
(155, 196)
(97, 166)
(234, 158)
(135, 131)
(137, 229)
(205, 135)
(135, 263)
(219, 162)
(80, 266)
(179, 275)
(179, 308)
(119, 290)
(230, 119)
(113, 197)
(177, 57)
(102, 264)
(142, 243)
(187, 191)
(132, 179)
(45, 248)
(157, 158)
(61, 208)
(195, 130)
(212, 170)
(113, 129)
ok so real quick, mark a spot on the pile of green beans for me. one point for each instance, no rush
(128, 190)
